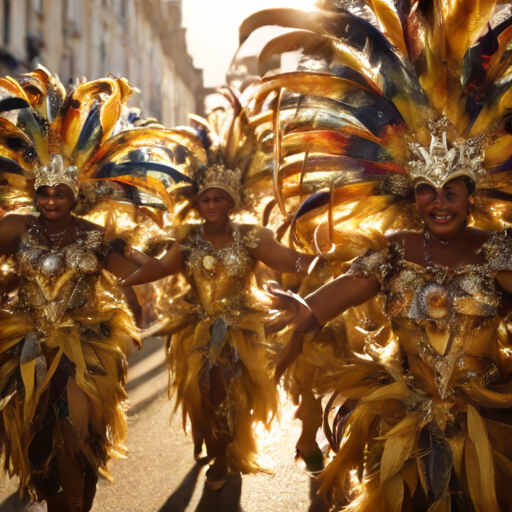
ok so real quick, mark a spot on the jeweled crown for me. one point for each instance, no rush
(56, 173)
(438, 165)
(218, 176)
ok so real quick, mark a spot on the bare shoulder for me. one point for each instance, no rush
(479, 236)
(404, 237)
(260, 231)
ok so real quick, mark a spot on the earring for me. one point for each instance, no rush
(471, 200)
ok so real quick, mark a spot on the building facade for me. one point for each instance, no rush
(140, 39)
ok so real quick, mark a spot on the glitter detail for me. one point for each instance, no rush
(443, 318)
(56, 174)
(218, 176)
(221, 277)
(440, 164)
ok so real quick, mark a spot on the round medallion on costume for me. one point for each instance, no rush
(209, 262)
(53, 264)
(435, 301)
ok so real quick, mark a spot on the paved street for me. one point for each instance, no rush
(160, 475)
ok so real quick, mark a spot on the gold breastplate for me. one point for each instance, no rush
(444, 319)
(57, 272)
(220, 278)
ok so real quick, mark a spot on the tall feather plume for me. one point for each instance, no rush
(429, 59)
(38, 119)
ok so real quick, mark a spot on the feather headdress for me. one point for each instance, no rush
(359, 121)
(49, 136)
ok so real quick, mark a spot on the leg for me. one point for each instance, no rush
(71, 469)
(219, 436)
(193, 407)
(71, 477)
(310, 413)
(91, 480)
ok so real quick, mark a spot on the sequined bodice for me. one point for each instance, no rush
(220, 278)
(57, 272)
(445, 320)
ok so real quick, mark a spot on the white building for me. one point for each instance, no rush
(140, 39)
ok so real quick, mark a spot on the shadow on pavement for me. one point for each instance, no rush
(11, 504)
(179, 500)
(227, 500)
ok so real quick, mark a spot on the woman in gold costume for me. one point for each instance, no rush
(430, 427)
(65, 351)
(398, 121)
(65, 327)
(218, 354)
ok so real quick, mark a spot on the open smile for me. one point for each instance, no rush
(441, 219)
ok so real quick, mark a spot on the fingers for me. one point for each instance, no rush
(278, 323)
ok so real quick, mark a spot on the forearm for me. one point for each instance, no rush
(152, 270)
(300, 263)
(133, 303)
(290, 262)
(332, 299)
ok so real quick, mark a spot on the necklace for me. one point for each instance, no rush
(428, 257)
(54, 236)
(57, 241)
(210, 260)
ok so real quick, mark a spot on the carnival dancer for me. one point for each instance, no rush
(66, 328)
(404, 108)
(218, 354)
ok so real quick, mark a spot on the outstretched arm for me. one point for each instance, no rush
(342, 293)
(154, 269)
(324, 304)
(277, 256)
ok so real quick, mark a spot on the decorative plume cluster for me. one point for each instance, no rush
(371, 77)
(76, 134)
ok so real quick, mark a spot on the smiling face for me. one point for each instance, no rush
(444, 210)
(55, 203)
(214, 205)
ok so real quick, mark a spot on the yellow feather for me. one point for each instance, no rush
(390, 23)
(393, 494)
(11, 85)
(410, 476)
(498, 65)
(126, 141)
(464, 22)
(151, 185)
(112, 108)
(400, 441)
(397, 390)
(315, 84)
(483, 471)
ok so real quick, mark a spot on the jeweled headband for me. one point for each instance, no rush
(218, 176)
(55, 173)
(440, 164)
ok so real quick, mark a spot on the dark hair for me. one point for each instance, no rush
(470, 185)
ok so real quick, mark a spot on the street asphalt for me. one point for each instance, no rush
(161, 476)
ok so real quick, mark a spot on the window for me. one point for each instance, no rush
(38, 6)
(124, 9)
(7, 22)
